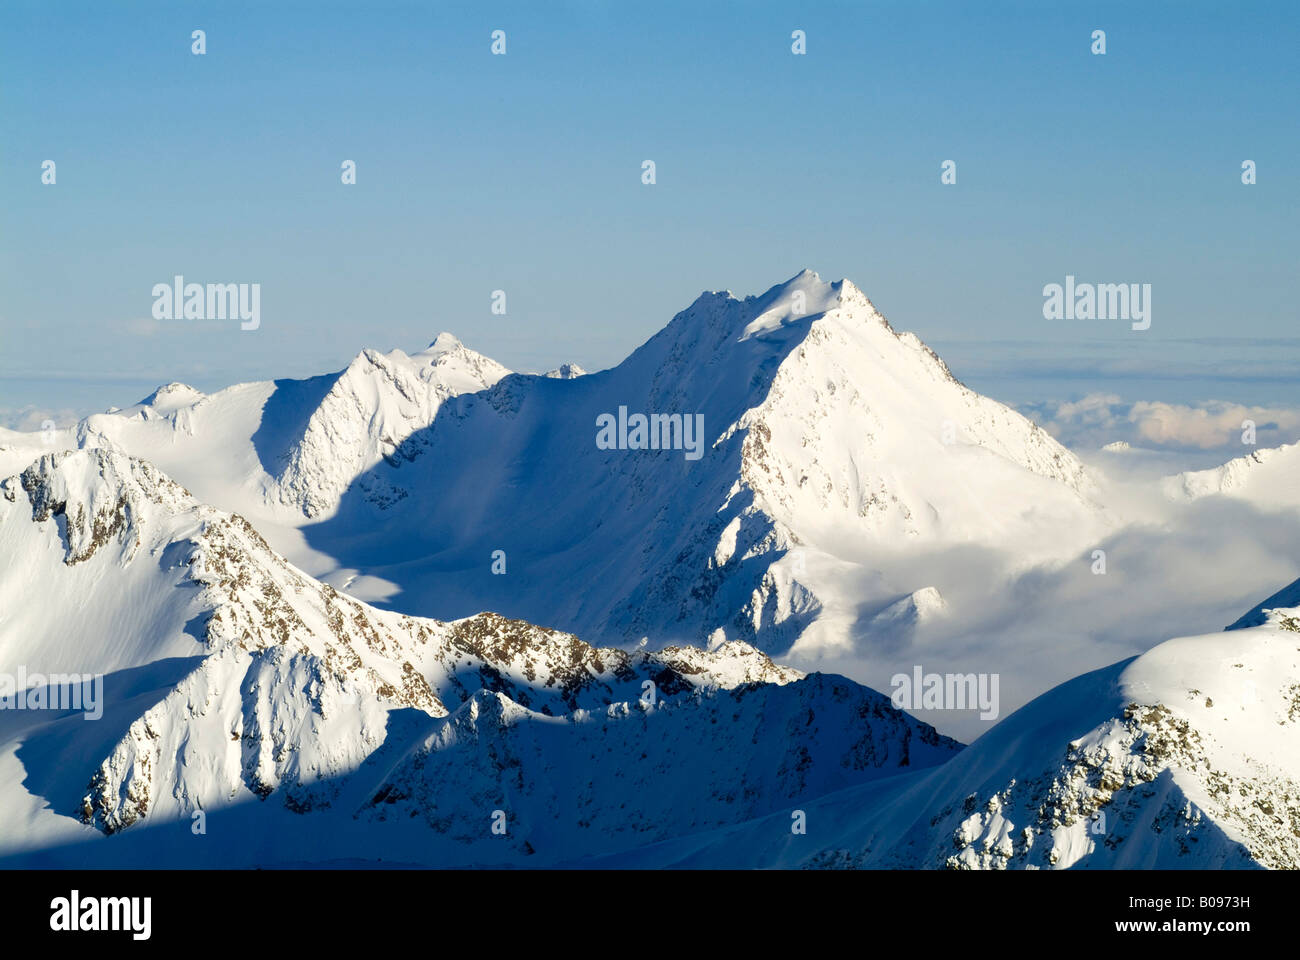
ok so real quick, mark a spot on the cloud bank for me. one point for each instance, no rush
(1102, 418)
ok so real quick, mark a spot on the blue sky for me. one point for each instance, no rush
(523, 173)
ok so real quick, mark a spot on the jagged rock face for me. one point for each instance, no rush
(93, 513)
(555, 672)
(1181, 758)
(1115, 782)
(294, 683)
(241, 725)
(638, 773)
(1142, 789)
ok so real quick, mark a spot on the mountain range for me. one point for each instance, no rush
(413, 612)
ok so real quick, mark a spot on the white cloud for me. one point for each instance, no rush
(1210, 426)
(31, 418)
(1102, 418)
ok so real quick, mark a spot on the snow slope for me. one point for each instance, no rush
(212, 555)
(831, 442)
(1184, 757)
(1274, 609)
(370, 415)
(1267, 478)
(283, 451)
(235, 679)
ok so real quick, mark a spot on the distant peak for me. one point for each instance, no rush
(805, 294)
(173, 394)
(812, 285)
(806, 279)
(565, 371)
(444, 343)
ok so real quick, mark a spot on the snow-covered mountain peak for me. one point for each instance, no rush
(804, 295)
(1183, 757)
(98, 495)
(796, 301)
(566, 371)
(451, 359)
(173, 396)
(1264, 476)
(819, 427)
(443, 343)
(856, 416)
(904, 615)
(266, 681)
(370, 413)
(446, 359)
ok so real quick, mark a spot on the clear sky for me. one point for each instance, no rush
(523, 173)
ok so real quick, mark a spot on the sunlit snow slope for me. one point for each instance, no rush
(830, 442)
(239, 687)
